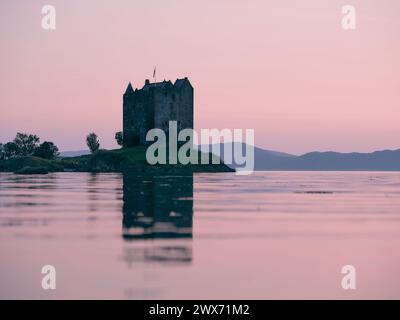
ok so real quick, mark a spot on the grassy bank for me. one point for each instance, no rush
(118, 160)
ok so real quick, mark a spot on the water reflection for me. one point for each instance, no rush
(158, 207)
(146, 246)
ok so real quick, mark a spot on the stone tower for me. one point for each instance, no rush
(154, 106)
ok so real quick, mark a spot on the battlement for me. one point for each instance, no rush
(163, 85)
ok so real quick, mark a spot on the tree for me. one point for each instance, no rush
(119, 138)
(26, 144)
(10, 150)
(92, 142)
(47, 150)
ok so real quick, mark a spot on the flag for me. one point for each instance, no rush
(154, 72)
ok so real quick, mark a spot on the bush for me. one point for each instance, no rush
(119, 138)
(10, 150)
(47, 150)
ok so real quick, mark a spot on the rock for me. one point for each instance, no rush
(32, 170)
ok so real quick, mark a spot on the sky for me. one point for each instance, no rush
(286, 69)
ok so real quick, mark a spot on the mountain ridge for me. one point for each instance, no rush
(379, 160)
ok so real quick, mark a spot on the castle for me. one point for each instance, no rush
(154, 106)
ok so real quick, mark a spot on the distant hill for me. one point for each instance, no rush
(386, 160)
(78, 153)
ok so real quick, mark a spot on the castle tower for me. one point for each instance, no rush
(154, 106)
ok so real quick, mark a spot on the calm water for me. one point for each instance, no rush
(268, 235)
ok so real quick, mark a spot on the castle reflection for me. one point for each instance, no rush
(158, 208)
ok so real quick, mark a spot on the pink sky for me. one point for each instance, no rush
(284, 68)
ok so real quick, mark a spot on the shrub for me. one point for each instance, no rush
(47, 150)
